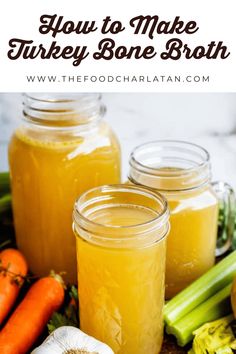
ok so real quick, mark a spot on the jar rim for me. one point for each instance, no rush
(62, 110)
(74, 96)
(161, 159)
(167, 141)
(105, 230)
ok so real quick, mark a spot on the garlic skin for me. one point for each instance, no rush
(72, 340)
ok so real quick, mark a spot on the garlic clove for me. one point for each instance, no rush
(71, 340)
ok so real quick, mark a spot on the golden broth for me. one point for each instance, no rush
(121, 290)
(48, 171)
(191, 241)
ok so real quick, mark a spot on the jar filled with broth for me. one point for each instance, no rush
(62, 148)
(181, 171)
(121, 233)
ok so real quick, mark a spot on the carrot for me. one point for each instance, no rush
(31, 316)
(13, 268)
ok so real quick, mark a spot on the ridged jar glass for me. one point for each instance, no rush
(121, 248)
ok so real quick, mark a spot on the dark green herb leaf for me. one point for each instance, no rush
(73, 293)
(57, 320)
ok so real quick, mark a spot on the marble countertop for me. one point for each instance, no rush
(206, 119)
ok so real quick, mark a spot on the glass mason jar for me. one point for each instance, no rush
(182, 173)
(62, 148)
(121, 246)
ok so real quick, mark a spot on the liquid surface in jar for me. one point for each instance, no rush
(122, 215)
(121, 290)
(49, 171)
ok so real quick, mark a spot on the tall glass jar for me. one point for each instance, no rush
(121, 247)
(182, 173)
(62, 148)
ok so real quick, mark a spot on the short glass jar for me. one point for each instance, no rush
(121, 248)
(62, 148)
(181, 171)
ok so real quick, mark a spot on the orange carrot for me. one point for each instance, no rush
(13, 268)
(31, 316)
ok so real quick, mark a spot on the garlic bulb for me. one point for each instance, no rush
(71, 340)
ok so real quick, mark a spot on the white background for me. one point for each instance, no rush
(216, 20)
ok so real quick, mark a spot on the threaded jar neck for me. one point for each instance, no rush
(62, 110)
(120, 235)
(168, 165)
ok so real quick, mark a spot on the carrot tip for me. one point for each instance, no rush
(58, 277)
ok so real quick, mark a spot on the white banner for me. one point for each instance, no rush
(152, 46)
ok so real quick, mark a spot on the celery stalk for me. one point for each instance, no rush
(5, 203)
(215, 307)
(200, 290)
(4, 183)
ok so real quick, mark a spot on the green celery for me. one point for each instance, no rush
(4, 183)
(5, 203)
(215, 337)
(215, 307)
(201, 289)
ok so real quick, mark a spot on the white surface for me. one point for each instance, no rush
(208, 119)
